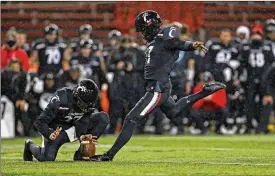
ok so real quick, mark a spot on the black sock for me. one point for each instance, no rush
(188, 101)
(193, 98)
(264, 118)
(124, 136)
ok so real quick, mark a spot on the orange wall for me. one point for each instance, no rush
(190, 13)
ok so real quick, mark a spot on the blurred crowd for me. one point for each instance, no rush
(30, 74)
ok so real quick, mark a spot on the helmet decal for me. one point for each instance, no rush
(81, 88)
(148, 21)
(55, 98)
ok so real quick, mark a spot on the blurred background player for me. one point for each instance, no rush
(256, 56)
(48, 52)
(212, 107)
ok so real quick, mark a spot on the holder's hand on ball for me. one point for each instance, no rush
(90, 138)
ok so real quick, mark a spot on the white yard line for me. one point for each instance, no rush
(142, 148)
(16, 159)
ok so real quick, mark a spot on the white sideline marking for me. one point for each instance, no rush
(15, 159)
(141, 148)
(67, 146)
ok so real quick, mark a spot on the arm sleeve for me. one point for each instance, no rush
(111, 62)
(269, 80)
(47, 116)
(179, 44)
(25, 60)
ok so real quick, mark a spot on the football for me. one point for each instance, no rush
(87, 148)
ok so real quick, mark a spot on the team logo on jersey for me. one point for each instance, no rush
(171, 31)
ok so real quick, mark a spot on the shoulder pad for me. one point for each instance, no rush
(246, 47)
(215, 46)
(267, 42)
(38, 42)
(210, 42)
(62, 45)
(267, 48)
(234, 50)
(169, 33)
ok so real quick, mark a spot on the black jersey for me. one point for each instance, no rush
(50, 55)
(256, 59)
(61, 111)
(161, 53)
(218, 60)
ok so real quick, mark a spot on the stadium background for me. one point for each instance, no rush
(205, 19)
(104, 16)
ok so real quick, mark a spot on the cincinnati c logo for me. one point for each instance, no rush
(171, 31)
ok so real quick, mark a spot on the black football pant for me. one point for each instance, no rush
(252, 108)
(145, 106)
(94, 124)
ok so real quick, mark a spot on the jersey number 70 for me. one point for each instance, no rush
(148, 52)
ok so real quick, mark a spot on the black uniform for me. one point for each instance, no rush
(161, 53)
(256, 57)
(50, 55)
(218, 60)
(91, 67)
(117, 87)
(62, 111)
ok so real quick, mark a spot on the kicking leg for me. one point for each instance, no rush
(172, 109)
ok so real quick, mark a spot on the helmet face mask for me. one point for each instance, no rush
(85, 107)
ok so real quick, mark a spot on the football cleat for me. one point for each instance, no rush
(213, 87)
(103, 157)
(27, 156)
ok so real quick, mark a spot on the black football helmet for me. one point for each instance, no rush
(148, 23)
(51, 29)
(86, 95)
(269, 28)
(86, 43)
(85, 29)
(114, 35)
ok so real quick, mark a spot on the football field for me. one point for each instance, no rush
(155, 156)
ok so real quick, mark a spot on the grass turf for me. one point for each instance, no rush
(155, 156)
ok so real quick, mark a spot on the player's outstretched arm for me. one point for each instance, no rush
(46, 117)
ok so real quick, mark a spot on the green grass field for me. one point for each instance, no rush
(155, 156)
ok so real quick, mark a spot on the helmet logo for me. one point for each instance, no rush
(81, 88)
(148, 21)
(55, 98)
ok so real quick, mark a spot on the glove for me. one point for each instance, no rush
(199, 46)
(54, 135)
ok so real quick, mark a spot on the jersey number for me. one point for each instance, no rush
(256, 59)
(222, 57)
(148, 52)
(54, 56)
(3, 108)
